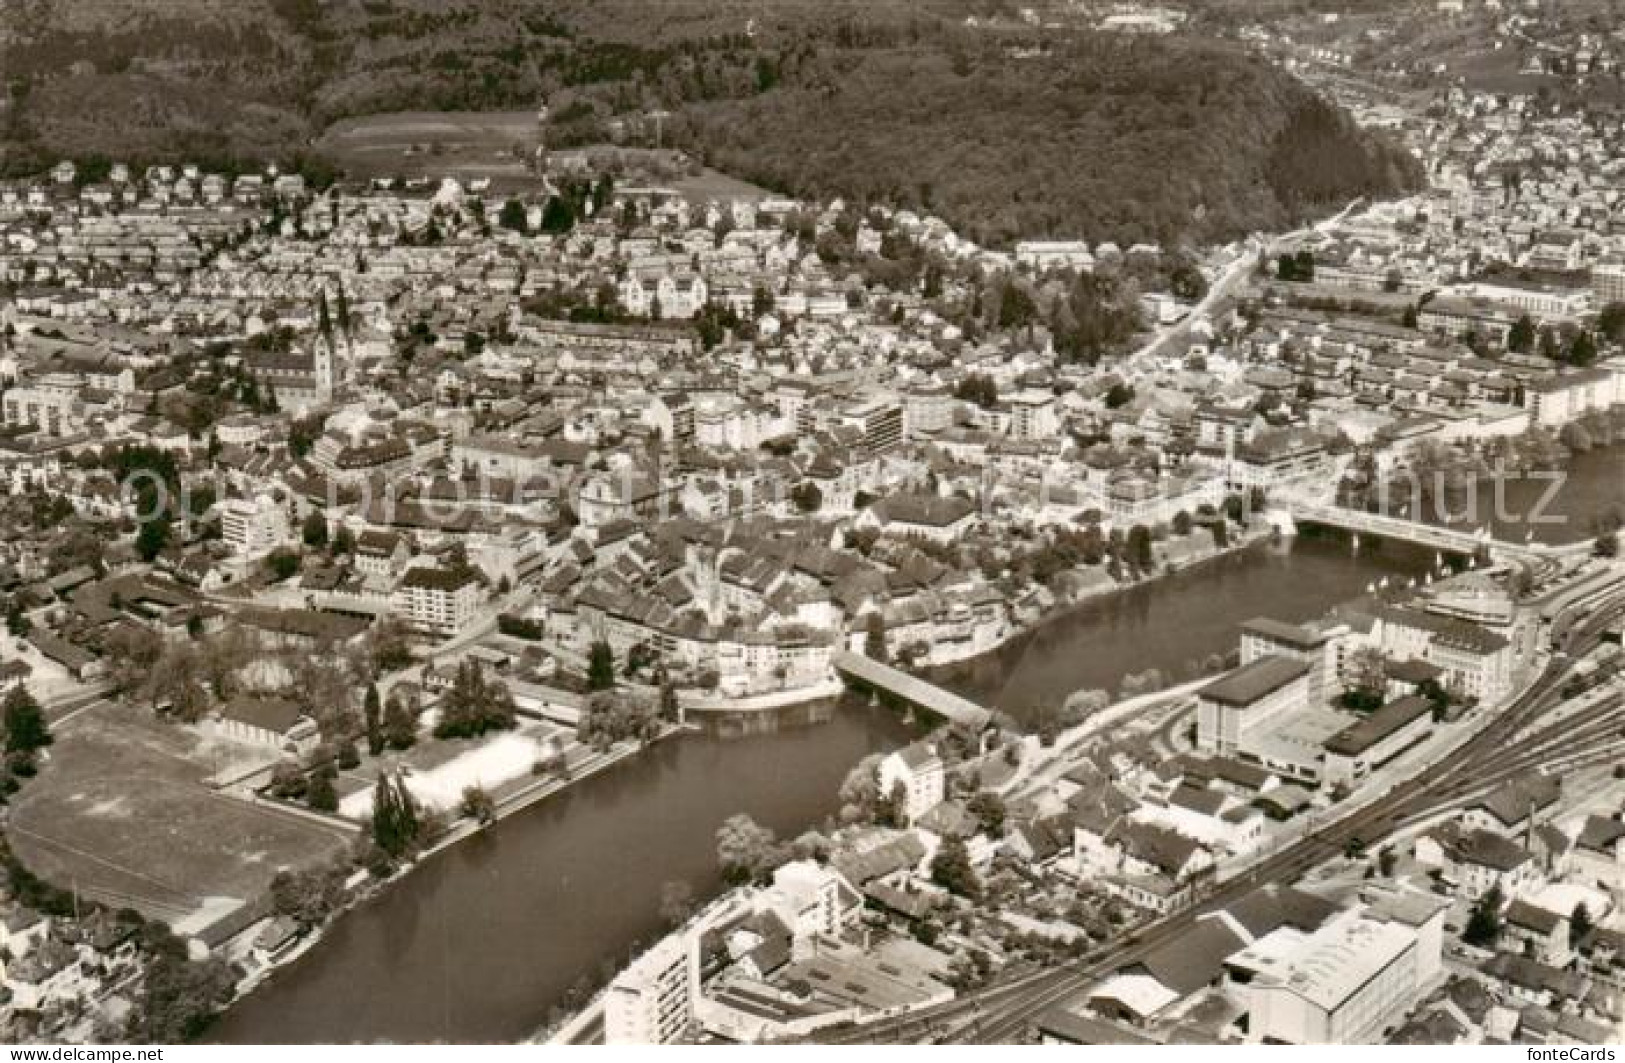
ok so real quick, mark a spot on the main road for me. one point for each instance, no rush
(1004, 1011)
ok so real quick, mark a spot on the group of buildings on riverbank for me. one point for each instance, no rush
(1315, 716)
(683, 452)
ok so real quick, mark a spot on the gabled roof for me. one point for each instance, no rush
(1195, 958)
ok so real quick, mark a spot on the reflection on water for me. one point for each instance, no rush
(1174, 624)
(484, 939)
(1552, 507)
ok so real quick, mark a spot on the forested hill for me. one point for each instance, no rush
(1106, 137)
(953, 105)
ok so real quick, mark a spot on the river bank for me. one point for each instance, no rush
(485, 940)
(366, 890)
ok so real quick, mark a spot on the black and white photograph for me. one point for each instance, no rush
(811, 522)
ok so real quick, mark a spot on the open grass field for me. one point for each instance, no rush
(497, 145)
(121, 812)
(491, 144)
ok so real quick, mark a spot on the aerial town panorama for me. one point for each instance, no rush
(763, 521)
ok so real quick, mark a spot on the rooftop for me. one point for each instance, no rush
(1253, 682)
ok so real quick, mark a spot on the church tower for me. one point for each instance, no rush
(324, 371)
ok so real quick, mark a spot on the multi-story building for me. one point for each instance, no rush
(1353, 753)
(927, 408)
(918, 771)
(1476, 662)
(439, 601)
(1032, 415)
(255, 525)
(1557, 400)
(1055, 254)
(1345, 983)
(667, 296)
(1263, 637)
(1249, 698)
(652, 1001)
(56, 412)
(1608, 282)
(880, 419)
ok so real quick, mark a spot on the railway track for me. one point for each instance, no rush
(1487, 758)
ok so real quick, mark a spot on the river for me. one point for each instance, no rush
(480, 942)
(1553, 508)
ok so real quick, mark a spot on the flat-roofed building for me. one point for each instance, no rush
(880, 420)
(439, 601)
(1263, 637)
(254, 525)
(1342, 984)
(1250, 697)
(652, 1001)
(1373, 740)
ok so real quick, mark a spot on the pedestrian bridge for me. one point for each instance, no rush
(928, 696)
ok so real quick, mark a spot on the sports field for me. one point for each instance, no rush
(121, 812)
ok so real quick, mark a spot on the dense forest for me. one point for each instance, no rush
(952, 105)
(1105, 137)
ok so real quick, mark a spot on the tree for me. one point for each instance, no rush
(1521, 337)
(322, 796)
(513, 216)
(26, 729)
(474, 705)
(745, 850)
(600, 666)
(1438, 697)
(395, 822)
(676, 902)
(1607, 545)
(1139, 548)
(314, 529)
(1583, 350)
(282, 563)
(178, 997)
(372, 715)
(951, 869)
(1118, 396)
(874, 637)
(478, 805)
(807, 497)
(557, 217)
(1483, 927)
(1549, 346)
(153, 536)
(978, 388)
(1367, 680)
(387, 646)
(860, 790)
(988, 808)
(308, 897)
(324, 317)
(1580, 925)
(17, 622)
(1611, 322)
(400, 724)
